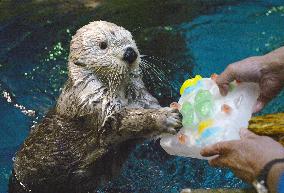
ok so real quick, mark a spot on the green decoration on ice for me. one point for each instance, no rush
(203, 104)
(187, 112)
(231, 87)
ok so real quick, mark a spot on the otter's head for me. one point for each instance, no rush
(104, 50)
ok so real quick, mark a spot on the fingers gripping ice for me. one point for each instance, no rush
(209, 117)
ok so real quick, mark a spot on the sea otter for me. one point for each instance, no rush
(103, 111)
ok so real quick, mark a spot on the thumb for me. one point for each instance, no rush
(260, 103)
(266, 94)
(224, 79)
(270, 87)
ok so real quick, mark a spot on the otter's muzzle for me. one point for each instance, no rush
(130, 55)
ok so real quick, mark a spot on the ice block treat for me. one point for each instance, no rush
(209, 117)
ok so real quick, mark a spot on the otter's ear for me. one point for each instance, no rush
(79, 62)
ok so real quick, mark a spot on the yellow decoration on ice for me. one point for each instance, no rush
(204, 124)
(189, 82)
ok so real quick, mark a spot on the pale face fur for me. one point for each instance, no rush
(98, 48)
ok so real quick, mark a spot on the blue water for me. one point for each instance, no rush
(33, 55)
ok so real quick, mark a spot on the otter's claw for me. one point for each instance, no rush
(172, 120)
(171, 131)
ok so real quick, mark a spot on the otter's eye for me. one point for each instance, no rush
(103, 45)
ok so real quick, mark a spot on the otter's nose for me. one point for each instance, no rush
(130, 55)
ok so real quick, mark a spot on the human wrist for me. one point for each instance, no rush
(274, 60)
(268, 177)
(274, 175)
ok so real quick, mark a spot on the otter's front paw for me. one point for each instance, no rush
(170, 120)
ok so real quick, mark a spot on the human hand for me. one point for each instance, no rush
(267, 70)
(245, 157)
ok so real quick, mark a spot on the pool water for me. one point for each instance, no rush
(189, 37)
